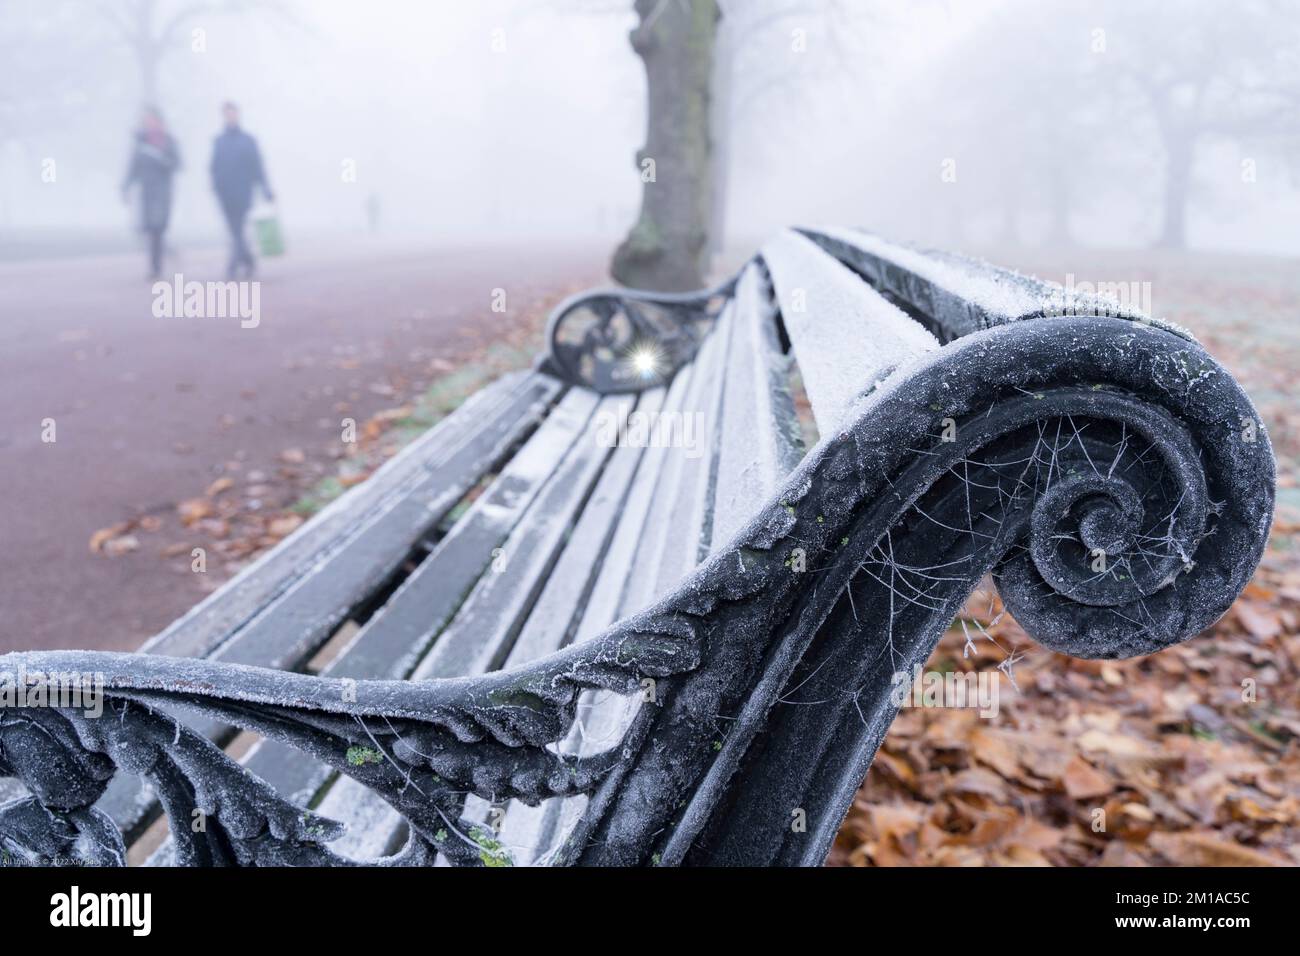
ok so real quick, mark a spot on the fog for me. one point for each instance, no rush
(955, 123)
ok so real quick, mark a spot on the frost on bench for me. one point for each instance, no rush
(1111, 477)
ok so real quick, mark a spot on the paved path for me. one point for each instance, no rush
(148, 411)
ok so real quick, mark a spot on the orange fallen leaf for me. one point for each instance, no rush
(121, 545)
(193, 509)
(1260, 621)
(979, 782)
(280, 527)
(991, 749)
(220, 485)
(1082, 780)
(1018, 855)
(104, 535)
(1206, 849)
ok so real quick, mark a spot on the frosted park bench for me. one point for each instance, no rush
(664, 632)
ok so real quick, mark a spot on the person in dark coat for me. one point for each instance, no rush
(236, 169)
(154, 161)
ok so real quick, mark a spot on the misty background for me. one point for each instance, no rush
(1000, 121)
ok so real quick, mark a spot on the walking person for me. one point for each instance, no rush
(154, 161)
(236, 169)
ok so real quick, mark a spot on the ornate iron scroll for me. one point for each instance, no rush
(1028, 449)
(627, 340)
(1070, 437)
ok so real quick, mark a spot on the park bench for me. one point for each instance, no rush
(613, 611)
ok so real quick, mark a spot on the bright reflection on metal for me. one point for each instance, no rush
(646, 360)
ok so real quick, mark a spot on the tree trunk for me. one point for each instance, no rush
(666, 249)
(720, 126)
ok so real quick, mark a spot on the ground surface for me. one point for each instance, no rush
(176, 433)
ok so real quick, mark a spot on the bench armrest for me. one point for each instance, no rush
(627, 340)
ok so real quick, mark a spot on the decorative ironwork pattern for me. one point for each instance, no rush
(627, 340)
(421, 746)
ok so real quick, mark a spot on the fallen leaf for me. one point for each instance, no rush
(194, 509)
(285, 525)
(220, 485)
(1117, 745)
(1082, 780)
(978, 781)
(1206, 849)
(992, 749)
(121, 545)
(1260, 621)
(104, 535)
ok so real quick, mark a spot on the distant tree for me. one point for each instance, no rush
(779, 58)
(1205, 70)
(150, 29)
(47, 67)
(1042, 105)
(1019, 118)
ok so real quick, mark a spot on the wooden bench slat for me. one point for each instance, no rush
(451, 456)
(286, 633)
(426, 600)
(559, 609)
(664, 539)
(606, 598)
(845, 336)
(525, 830)
(554, 617)
(548, 621)
(384, 516)
(392, 642)
(478, 639)
(955, 294)
(391, 646)
(688, 530)
(668, 546)
(761, 442)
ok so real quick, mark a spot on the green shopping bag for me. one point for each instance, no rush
(266, 226)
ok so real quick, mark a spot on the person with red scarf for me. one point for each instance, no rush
(154, 161)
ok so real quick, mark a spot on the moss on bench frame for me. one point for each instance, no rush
(1036, 441)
